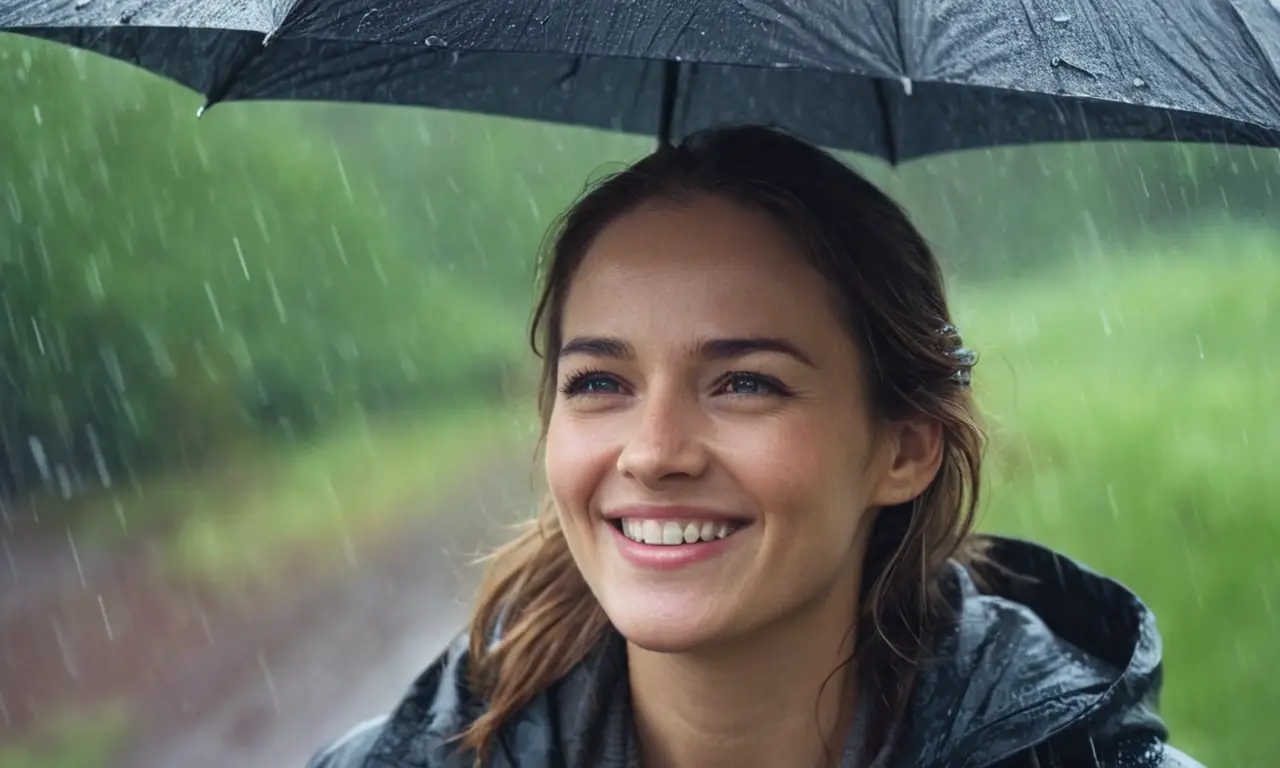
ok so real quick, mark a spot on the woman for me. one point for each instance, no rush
(763, 460)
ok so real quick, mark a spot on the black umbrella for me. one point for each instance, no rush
(897, 79)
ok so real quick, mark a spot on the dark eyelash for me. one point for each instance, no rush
(769, 381)
(575, 381)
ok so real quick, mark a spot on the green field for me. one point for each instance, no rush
(1132, 406)
(81, 739)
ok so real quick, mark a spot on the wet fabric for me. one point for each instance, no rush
(897, 79)
(1062, 669)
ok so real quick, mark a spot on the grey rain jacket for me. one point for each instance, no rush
(1060, 671)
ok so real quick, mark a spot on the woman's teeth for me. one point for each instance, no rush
(673, 532)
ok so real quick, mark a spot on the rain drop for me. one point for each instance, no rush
(40, 457)
(1062, 18)
(906, 85)
(435, 41)
(64, 650)
(213, 304)
(75, 555)
(99, 460)
(106, 622)
(82, 4)
(8, 556)
(1139, 83)
(275, 298)
(244, 266)
(269, 680)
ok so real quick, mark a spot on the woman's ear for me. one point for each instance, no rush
(911, 454)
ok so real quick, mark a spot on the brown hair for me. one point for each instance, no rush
(890, 290)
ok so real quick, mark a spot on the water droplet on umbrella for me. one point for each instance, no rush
(906, 85)
(1139, 83)
(82, 4)
(1062, 18)
(435, 41)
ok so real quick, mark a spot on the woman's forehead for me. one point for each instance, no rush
(707, 256)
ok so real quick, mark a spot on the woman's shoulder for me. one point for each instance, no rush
(352, 749)
(581, 720)
(438, 706)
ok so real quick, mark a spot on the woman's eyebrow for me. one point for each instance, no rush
(710, 349)
(598, 346)
(727, 349)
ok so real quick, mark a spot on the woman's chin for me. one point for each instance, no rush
(671, 629)
(657, 638)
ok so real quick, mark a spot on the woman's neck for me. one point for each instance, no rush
(780, 697)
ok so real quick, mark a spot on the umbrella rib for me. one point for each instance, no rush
(667, 109)
(220, 89)
(886, 120)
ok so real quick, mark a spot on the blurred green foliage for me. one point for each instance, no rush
(1132, 419)
(170, 288)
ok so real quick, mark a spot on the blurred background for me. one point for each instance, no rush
(265, 389)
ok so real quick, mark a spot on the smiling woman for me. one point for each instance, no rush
(762, 458)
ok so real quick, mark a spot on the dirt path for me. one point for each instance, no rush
(262, 678)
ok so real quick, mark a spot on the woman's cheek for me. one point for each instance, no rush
(576, 459)
(794, 468)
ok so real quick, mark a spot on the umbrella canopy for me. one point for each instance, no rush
(897, 79)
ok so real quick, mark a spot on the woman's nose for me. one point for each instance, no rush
(665, 442)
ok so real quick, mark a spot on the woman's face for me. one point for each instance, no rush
(711, 451)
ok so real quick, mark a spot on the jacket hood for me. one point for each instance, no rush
(1049, 659)
(1049, 648)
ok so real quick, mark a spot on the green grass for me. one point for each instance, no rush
(232, 516)
(357, 482)
(1134, 413)
(87, 739)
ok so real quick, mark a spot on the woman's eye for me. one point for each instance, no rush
(589, 383)
(752, 384)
